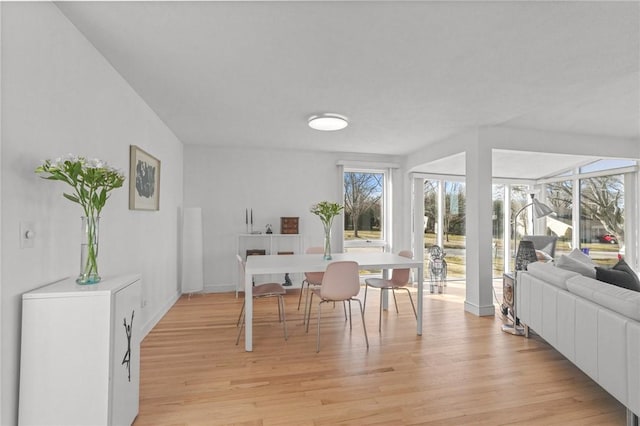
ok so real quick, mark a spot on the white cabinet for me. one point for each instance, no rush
(271, 244)
(80, 357)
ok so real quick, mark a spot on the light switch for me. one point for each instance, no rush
(27, 234)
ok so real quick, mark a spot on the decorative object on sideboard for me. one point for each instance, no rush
(144, 180)
(92, 181)
(269, 230)
(248, 220)
(327, 211)
(289, 225)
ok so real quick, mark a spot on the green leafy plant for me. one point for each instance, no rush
(92, 181)
(326, 211)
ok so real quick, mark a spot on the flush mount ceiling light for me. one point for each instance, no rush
(328, 122)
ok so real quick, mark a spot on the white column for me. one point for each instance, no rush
(631, 218)
(441, 207)
(506, 218)
(479, 295)
(418, 219)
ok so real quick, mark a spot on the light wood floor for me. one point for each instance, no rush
(463, 370)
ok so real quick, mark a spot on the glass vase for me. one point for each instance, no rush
(327, 242)
(89, 251)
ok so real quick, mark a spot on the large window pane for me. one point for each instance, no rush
(454, 229)
(364, 213)
(364, 210)
(452, 232)
(430, 212)
(602, 217)
(559, 198)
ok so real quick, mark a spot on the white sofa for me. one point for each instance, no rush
(593, 324)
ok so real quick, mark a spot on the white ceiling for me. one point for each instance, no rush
(406, 74)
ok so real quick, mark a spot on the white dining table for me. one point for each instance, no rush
(279, 264)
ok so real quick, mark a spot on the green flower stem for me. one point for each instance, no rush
(91, 264)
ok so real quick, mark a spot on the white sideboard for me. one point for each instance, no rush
(80, 353)
(271, 244)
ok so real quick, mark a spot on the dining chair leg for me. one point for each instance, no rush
(308, 312)
(318, 335)
(279, 310)
(395, 300)
(241, 312)
(302, 291)
(241, 326)
(380, 311)
(344, 307)
(307, 303)
(412, 304)
(365, 296)
(364, 327)
(350, 323)
(284, 317)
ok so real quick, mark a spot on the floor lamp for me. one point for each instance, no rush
(525, 254)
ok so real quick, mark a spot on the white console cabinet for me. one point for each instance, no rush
(80, 357)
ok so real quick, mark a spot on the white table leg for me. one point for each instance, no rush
(248, 312)
(385, 294)
(420, 298)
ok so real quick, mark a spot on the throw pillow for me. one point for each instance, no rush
(578, 255)
(581, 267)
(620, 275)
(543, 257)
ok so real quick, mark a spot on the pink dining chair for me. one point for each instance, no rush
(262, 291)
(340, 283)
(399, 281)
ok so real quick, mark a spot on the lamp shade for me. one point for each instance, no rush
(541, 209)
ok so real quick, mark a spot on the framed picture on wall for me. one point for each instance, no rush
(144, 180)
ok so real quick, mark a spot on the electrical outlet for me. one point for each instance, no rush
(27, 235)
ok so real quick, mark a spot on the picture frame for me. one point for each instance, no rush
(144, 180)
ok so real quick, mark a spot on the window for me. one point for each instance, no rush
(444, 223)
(365, 215)
(559, 198)
(602, 217)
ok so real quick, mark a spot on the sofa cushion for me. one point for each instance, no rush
(621, 300)
(577, 261)
(547, 272)
(620, 274)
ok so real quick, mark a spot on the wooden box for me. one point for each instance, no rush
(288, 225)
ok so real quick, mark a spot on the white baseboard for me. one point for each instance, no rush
(481, 311)
(158, 316)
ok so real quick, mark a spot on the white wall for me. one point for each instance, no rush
(225, 181)
(59, 95)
